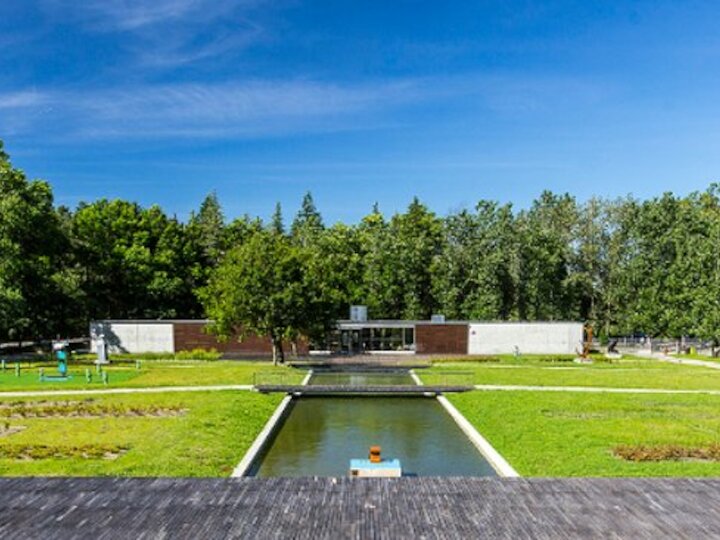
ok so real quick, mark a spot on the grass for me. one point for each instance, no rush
(624, 373)
(580, 434)
(150, 374)
(573, 434)
(207, 433)
(179, 434)
(208, 439)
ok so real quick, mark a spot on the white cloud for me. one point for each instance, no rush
(278, 107)
(205, 110)
(21, 100)
(133, 15)
(166, 33)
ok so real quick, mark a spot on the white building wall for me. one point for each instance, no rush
(529, 338)
(133, 337)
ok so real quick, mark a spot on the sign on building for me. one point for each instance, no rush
(358, 313)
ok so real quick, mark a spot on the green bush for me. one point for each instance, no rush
(27, 452)
(144, 356)
(195, 354)
(557, 359)
(457, 359)
(198, 354)
(123, 357)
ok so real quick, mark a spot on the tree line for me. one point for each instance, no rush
(627, 266)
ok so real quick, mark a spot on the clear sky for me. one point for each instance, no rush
(162, 101)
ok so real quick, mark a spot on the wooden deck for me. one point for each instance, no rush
(344, 389)
(370, 508)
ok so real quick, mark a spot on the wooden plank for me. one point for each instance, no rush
(368, 508)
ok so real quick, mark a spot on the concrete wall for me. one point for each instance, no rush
(529, 338)
(134, 337)
(174, 336)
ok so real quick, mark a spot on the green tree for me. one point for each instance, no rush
(397, 257)
(262, 287)
(207, 227)
(589, 272)
(240, 229)
(473, 277)
(276, 224)
(706, 253)
(32, 245)
(135, 262)
(378, 287)
(545, 257)
(644, 291)
(336, 266)
(308, 223)
(615, 289)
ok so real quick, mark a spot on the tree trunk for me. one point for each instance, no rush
(277, 349)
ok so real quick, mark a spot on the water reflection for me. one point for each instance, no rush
(322, 434)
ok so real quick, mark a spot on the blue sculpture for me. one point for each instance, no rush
(61, 355)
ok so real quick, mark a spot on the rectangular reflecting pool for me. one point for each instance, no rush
(320, 435)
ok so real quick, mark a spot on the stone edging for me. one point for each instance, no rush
(499, 463)
(262, 439)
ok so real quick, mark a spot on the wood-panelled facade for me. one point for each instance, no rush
(435, 338)
(191, 335)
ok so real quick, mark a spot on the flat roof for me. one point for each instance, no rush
(376, 323)
(150, 321)
(400, 323)
(370, 323)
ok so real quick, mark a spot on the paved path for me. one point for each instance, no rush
(142, 390)
(247, 387)
(589, 389)
(338, 508)
(674, 360)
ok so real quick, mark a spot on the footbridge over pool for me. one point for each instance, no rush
(371, 389)
(339, 381)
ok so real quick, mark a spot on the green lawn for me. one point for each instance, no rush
(574, 434)
(628, 373)
(208, 438)
(151, 373)
(207, 433)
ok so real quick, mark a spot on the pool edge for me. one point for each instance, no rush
(493, 457)
(265, 434)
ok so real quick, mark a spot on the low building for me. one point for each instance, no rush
(352, 337)
(173, 335)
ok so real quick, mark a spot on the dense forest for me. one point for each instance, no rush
(627, 266)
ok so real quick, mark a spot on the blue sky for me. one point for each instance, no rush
(164, 101)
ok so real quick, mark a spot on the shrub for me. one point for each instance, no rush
(119, 358)
(87, 408)
(198, 354)
(557, 359)
(482, 359)
(667, 452)
(42, 451)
